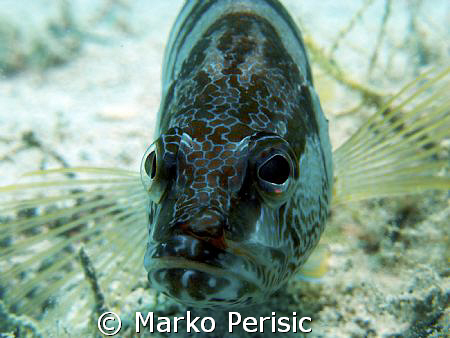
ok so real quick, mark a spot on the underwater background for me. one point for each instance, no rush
(80, 85)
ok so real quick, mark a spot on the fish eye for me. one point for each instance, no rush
(152, 173)
(150, 165)
(275, 170)
(274, 179)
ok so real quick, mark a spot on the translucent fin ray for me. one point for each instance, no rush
(69, 278)
(47, 219)
(316, 266)
(401, 149)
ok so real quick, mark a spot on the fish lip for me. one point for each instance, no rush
(183, 263)
(187, 252)
(197, 273)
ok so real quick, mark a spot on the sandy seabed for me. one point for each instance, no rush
(92, 98)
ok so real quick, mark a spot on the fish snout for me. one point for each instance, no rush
(207, 225)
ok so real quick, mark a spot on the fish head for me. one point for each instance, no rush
(215, 234)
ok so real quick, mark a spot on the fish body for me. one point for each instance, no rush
(240, 176)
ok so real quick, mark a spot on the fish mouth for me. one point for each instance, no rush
(196, 273)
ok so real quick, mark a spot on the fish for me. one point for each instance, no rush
(239, 124)
(233, 194)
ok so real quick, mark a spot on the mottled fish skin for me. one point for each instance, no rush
(240, 175)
